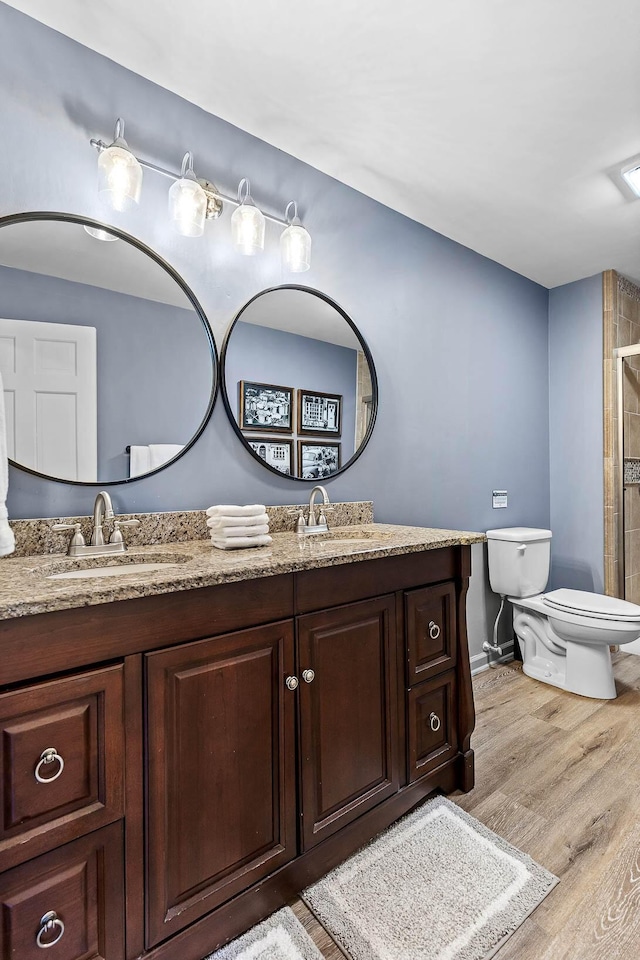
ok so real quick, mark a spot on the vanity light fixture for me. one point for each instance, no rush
(120, 182)
(247, 222)
(295, 243)
(119, 173)
(187, 201)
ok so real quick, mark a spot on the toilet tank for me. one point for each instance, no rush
(519, 560)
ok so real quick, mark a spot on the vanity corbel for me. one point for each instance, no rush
(191, 803)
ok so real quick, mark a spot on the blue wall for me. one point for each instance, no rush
(575, 435)
(154, 368)
(460, 343)
(273, 356)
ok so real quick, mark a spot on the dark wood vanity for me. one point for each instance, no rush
(223, 747)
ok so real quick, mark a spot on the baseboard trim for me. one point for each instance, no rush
(483, 661)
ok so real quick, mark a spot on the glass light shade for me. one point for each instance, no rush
(119, 177)
(247, 228)
(295, 248)
(187, 207)
(100, 234)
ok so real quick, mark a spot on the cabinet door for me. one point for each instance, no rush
(221, 774)
(348, 724)
(71, 900)
(431, 631)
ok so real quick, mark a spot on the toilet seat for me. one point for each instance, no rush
(592, 605)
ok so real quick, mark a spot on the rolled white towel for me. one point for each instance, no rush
(232, 510)
(222, 521)
(226, 533)
(237, 543)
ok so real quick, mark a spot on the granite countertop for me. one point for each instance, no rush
(25, 589)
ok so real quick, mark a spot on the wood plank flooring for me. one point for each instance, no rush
(559, 777)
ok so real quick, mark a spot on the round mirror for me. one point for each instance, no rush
(108, 363)
(299, 383)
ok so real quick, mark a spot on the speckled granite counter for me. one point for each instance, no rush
(25, 589)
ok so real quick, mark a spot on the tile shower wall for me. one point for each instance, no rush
(621, 302)
(627, 332)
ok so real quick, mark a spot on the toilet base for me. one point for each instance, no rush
(589, 675)
(582, 668)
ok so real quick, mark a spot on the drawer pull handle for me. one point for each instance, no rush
(434, 630)
(292, 683)
(48, 756)
(434, 722)
(308, 676)
(49, 922)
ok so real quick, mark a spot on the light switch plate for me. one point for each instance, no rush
(499, 499)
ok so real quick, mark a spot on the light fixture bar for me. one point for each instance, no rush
(100, 145)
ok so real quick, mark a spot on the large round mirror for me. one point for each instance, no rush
(299, 383)
(108, 363)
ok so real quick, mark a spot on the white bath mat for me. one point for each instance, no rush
(280, 937)
(438, 885)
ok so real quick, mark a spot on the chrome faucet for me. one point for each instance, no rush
(320, 524)
(102, 510)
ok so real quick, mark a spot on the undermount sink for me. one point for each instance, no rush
(347, 538)
(89, 568)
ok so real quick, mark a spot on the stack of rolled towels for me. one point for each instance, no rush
(233, 527)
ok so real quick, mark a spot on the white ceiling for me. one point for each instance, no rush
(497, 123)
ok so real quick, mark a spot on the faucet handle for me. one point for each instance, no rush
(116, 535)
(77, 540)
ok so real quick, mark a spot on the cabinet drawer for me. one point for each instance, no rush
(431, 725)
(431, 631)
(61, 750)
(80, 888)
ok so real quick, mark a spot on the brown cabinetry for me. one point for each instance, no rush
(61, 761)
(221, 771)
(70, 900)
(218, 749)
(431, 631)
(348, 714)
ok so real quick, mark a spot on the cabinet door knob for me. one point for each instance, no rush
(434, 722)
(48, 756)
(48, 923)
(308, 676)
(292, 683)
(434, 630)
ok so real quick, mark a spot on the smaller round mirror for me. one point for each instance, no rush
(299, 384)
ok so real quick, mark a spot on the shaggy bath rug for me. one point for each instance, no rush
(438, 885)
(280, 937)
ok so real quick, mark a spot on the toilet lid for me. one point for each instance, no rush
(593, 604)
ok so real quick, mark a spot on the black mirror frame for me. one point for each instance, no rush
(215, 385)
(365, 349)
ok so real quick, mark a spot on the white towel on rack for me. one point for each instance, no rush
(238, 543)
(233, 510)
(139, 460)
(144, 458)
(7, 538)
(161, 452)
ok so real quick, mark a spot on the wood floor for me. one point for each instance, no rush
(559, 777)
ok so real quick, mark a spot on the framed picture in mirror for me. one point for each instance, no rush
(265, 406)
(275, 452)
(319, 412)
(317, 459)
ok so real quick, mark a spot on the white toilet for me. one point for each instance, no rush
(564, 635)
